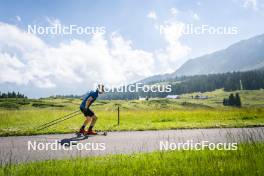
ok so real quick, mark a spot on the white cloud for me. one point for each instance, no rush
(199, 3)
(18, 18)
(252, 4)
(27, 60)
(196, 16)
(174, 11)
(10, 69)
(175, 52)
(17, 39)
(135, 62)
(152, 15)
(53, 21)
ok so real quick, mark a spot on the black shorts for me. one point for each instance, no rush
(87, 112)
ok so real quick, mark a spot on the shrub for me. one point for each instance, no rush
(232, 100)
(9, 105)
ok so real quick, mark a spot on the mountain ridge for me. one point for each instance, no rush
(247, 54)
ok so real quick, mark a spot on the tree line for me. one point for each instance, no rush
(12, 95)
(231, 81)
(65, 96)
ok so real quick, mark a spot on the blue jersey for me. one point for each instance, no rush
(90, 94)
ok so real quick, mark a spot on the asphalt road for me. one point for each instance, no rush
(59, 146)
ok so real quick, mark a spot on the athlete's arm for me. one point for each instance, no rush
(89, 102)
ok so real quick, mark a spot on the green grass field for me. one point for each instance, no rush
(20, 117)
(135, 115)
(247, 160)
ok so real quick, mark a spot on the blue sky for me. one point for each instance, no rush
(132, 40)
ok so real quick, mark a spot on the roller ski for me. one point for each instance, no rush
(90, 133)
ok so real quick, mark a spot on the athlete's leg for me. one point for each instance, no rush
(94, 119)
(86, 121)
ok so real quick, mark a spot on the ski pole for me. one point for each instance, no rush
(58, 120)
(46, 126)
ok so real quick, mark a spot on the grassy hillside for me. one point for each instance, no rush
(135, 115)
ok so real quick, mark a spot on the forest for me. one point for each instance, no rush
(248, 80)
